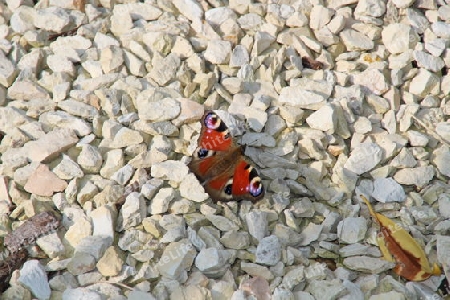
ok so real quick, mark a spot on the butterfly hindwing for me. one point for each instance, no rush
(246, 182)
(243, 183)
(219, 165)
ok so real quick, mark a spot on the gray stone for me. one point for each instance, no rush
(164, 70)
(440, 158)
(213, 262)
(359, 249)
(387, 296)
(86, 192)
(435, 47)
(218, 52)
(102, 41)
(373, 80)
(189, 8)
(90, 159)
(176, 259)
(172, 170)
(427, 61)
(402, 3)
(363, 158)
(236, 240)
(324, 289)
(425, 83)
(94, 245)
(160, 203)
(441, 29)
(132, 213)
(239, 56)
(443, 130)
(63, 282)
(89, 278)
(367, 264)
(27, 90)
(22, 19)
(51, 245)
(217, 16)
(80, 293)
(298, 96)
(191, 189)
(370, 8)
(123, 175)
(111, 59)
(68, 169)
(419, 176)
(362, 125)
(310, 233)
(114, 160)
(257, 224)
(268, 251)
(352, 229)
(263, 40)
(140, 295)
(126, 137)
(8, 72)
(78, 108)
(404, 159)
(222, 223)
(150, 188)
(60, 64)
(162, 110)
(324, 119)
(53, 19)
(388, 190)
(34, 277)
(110, 264)
(133, 240)
(63, 119)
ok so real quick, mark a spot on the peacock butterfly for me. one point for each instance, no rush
(220, 166)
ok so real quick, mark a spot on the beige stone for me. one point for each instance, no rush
(111, 263)
(44, 182)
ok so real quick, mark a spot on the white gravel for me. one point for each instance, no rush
(336, 99)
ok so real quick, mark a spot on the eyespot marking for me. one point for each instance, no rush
(212, 121)
(256, 188)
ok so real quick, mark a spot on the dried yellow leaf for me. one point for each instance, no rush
(398, 246)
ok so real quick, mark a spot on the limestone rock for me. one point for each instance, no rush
(110, 264)
(388, 190)
(34, 277)
(90, 159)
(399, 38)
(50, 145)
(44, 182)
(363, 158)
(352, 230)
(176, 259)
(268, 251)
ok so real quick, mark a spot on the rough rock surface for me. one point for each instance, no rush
(100, 103)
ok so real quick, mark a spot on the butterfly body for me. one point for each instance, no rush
(220, 166)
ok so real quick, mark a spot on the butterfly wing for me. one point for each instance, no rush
(241, 182)
(214, 142)
(220, 167)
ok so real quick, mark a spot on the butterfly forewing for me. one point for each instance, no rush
(215, 134)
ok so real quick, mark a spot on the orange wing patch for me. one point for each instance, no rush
(398, 246)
